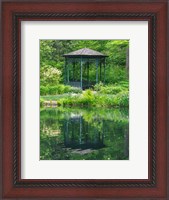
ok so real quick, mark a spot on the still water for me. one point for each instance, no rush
(84, 134)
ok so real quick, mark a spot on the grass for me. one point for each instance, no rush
(55, 97)
(58, 89)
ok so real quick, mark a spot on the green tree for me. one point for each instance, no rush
(50, 75)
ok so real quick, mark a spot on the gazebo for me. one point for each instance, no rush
(78, 64)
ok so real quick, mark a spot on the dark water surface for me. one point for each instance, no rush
(84, 134)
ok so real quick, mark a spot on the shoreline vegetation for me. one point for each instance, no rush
(89, 114)
(98, 96)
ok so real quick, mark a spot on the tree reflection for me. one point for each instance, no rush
(77, 134)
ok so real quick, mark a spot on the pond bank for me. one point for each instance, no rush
(50, 104)
(87, 98)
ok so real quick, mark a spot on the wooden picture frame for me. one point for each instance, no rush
(12, 15)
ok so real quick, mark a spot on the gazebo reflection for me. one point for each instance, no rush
(79, 134)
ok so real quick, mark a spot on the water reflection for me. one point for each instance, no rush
(84, 134)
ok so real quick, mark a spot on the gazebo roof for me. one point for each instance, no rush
(85, 52)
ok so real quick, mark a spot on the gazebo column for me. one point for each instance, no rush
(81, 73)
(97, 62)
(88, 73)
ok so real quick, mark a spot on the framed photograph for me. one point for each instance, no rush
(84, 100)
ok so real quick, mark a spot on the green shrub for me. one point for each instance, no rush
(65, 89)
(50, 75)
(116, 74)
(98, 86)
(124, 99)
(52, 90)
(75, 90)
(58, 89)
(44, 90)
(41, 102)
(111, 89)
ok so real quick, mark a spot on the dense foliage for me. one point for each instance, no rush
(52, 51)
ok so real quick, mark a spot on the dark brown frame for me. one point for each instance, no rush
(156, 185)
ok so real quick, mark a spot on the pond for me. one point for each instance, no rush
(84, 134)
